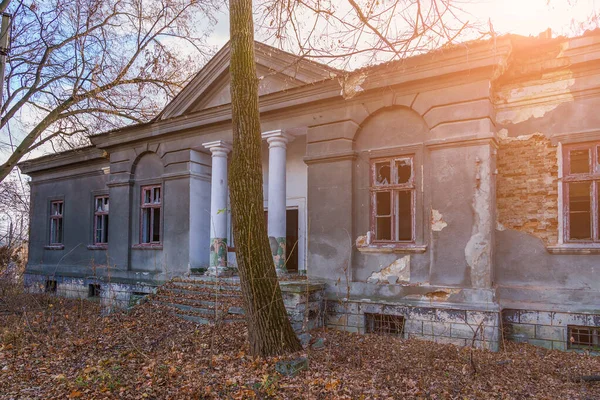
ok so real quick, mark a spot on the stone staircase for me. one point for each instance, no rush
(205, 300)
(202, 299)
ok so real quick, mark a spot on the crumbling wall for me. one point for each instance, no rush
(527, 186)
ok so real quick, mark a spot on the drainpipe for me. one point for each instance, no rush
(4, 44)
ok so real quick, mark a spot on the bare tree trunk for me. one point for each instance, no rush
(269, 329)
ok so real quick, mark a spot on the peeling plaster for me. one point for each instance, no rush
(436, 295)
(437, 221)
(478, 248)
(503, 136)
(399, 268)
(535, 100)
(363, 241)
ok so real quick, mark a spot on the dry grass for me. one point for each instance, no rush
(57, 348)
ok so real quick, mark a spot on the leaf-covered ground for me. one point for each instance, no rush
(56, 348)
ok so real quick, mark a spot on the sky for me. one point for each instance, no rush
(530, 17)
(522, 17)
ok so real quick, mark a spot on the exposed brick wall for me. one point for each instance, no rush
(527, 187)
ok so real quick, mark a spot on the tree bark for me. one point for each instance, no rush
(269, 329)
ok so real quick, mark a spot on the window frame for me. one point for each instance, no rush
(593, 177)
(58, 217)
(152, 206)
(104, 214)
(393, 189)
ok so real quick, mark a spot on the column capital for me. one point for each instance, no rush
(218, 148)
(277, 138)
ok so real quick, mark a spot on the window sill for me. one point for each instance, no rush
(147, 246)
(97, 247)
(55, 247)
(574, 249)
(397, 249)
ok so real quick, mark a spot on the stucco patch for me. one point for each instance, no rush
(437, 221)
(399, 268)
(478, 248)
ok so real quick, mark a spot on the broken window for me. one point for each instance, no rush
(392, 199)
(583, 337)
(581, 188)
(151, 213)
(101, 220)
(56, 222)
(384, 324)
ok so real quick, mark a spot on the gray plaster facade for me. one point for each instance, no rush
(452, 112)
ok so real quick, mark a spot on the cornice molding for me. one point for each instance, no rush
(575, 137)
(78, 156)
(462, 141)
(333, 157)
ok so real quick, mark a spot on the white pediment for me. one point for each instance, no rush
(276, 70)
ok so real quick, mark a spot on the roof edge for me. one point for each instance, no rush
(69, 157)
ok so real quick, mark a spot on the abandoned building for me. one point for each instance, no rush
(452, 196)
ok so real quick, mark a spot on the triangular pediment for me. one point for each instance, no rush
(277, 71)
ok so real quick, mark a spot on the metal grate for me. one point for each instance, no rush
(94, 290)
(583, 337)
(51, 286)
(384, 324)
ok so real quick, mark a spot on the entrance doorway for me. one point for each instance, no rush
(291, 242)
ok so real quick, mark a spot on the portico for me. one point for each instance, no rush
(276, 203)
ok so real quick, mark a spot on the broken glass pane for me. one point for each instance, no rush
(580, 207)
(57, 208)
(383, 228)
(59, 234)
(384, 203)
(580, 161)
(403, 170)
(383, 174)
(146, 225)
(156, 226)
(98, 238)
(403, 214)
(105, 232)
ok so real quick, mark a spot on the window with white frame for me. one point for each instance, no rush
(56, 222)
(393, 200)
(101, 220)
(151, 208)
(581, 193)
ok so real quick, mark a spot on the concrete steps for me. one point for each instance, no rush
(202, 300)
(207, 300)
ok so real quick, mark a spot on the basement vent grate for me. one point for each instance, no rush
(583, 337)
(94, 290)
(51, 286)
(384, 324)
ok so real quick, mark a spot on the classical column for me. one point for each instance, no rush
(277, 196)
(218, 208)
